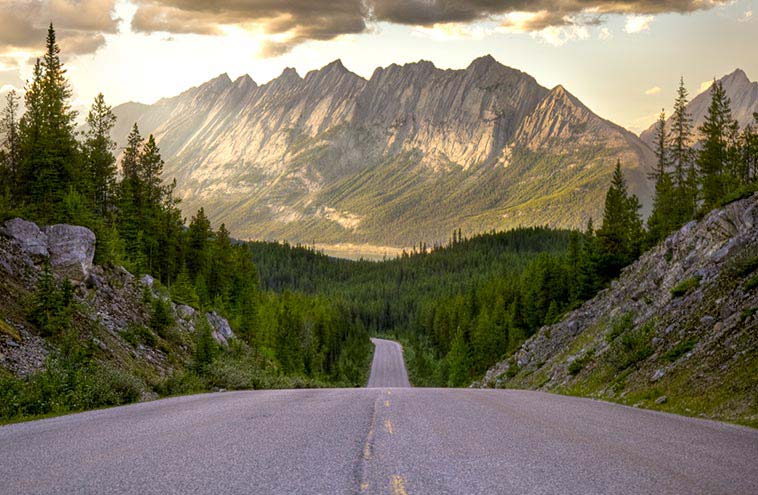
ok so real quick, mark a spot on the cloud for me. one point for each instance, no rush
(285, 24)
(638, 23)
(604, 34)
(746, 17)
(705, 86)
(653, 91)
(80, 24)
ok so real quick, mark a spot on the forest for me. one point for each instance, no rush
(458, 308)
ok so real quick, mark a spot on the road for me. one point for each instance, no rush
(388, 367)
(398, 441)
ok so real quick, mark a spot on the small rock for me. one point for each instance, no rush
(707, 320)
(661, 400)
(12, 343)
(657, 375)
(147, 280)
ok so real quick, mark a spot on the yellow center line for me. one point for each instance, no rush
(388, 426)
(364, 487)
(386, 403)
(398, 485)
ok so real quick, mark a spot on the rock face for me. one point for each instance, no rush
(69, 248)
(681, 322)
(111, 314)
(742, 93)
(333, 157)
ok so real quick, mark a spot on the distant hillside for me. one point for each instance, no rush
(402, 157)
(678, 331)
(741, 91)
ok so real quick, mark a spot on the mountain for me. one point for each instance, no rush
(741, 91)
(678, 331)
(402, 157)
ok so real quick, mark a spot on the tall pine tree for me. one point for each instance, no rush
(714, 157)
(99, 159)
(663, 217)
(621, 232)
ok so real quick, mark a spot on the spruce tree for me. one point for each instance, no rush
(99, 159)
(621, 232)
(714, 157)
(10, 142)
(683, 160)
(149, 170)
(663, 217)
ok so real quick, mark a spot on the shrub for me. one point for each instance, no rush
(619, 326)
(751, 283)
(631, 347)
(578, 364)
(139, 334)
(685, 286)
(679, 350)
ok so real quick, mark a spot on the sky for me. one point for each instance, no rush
(622, 58)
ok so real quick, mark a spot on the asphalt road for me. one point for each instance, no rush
(396, 441)
(387, 367)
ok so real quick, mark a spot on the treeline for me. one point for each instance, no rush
(696, 172)
(50, 173)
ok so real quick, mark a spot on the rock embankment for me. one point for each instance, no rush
(677, 331)
(113, 308)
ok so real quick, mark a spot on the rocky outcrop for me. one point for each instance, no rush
(681, 322)
(268, 159)
(113, 309)
(69, 248)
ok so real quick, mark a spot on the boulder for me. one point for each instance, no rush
(222, 332)
(72, 249)
(32, 240)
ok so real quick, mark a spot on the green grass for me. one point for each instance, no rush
(679, 350)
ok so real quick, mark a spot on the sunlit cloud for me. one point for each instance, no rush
(705, 86)
(746, 17)
(604, 33)
(653, 91)
(452, 31)
(638, 23)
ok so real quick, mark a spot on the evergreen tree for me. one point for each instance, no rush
(685, 174)
(663, 217)
(714, 156)
(621, 232)
(56, 167)
(149, 170)
(10, 146)
(199, 236)
(99, 159)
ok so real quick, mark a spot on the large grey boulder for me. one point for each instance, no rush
(31, 239)
(222, 332)
(72, 249)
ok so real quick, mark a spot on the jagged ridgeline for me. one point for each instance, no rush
(401, 158)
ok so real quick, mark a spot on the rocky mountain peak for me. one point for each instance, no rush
(244, 81)
(736, 78)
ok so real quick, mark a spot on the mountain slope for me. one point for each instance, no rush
(677, 331)
(741, 91)
(402, 157)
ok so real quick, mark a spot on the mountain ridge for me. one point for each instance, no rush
(333, 157)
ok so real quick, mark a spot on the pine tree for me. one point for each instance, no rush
(621, 232)
(58, 161)
(30, 134)
(663, 217)
(685, 174)
(149, 170)
(99, 159)
(10, 144)
(198, 239)
(714, 157)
